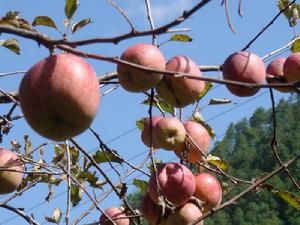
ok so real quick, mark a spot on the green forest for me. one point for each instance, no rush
(246, 146)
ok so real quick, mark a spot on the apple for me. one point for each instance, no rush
(185, 215)
(180, 91)
(176, 183)
(114, 213)
(137, 80)
(275, 68)
(59, 96)
(291, 67)
(208, 190)
(145, 135)
(197, 138)
(169, 133)
(244, 66)
(10, 180)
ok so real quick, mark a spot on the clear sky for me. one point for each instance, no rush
(212, 42)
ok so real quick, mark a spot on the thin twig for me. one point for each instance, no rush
(69, 183)
(150, 18)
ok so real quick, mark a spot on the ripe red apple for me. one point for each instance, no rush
(197, 137)
(208, 190)
(10, 180)
(246, 67)
(291, 67)
(169, 133)
(275, 68)
(136, 80)
(180, 91)
(185, 215)
(114, 213)
(145, 135)
(59, 96)
(176, 182)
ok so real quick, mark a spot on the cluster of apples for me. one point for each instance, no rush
(181, 189)
(189, 140)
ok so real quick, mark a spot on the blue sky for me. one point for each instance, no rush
(212, 43)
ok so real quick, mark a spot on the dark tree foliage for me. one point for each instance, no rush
(246, 147)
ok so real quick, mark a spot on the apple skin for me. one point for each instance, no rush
(275, 68)
(200, 137)
(145, 135)
(114, 213)
(185, 215)
(177, 183)
(208, 190)
(291, 67)
(246, 67)
(59, 96)
(169, 133)
(180, 91)
(9, 180)
(136, 80)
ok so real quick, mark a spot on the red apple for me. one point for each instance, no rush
(208, 190)
(275, 68)
(145, 135)
(291, 67)
(114, 213)
(246, 67)
(136, 80)
(169, 133)
(185, 215)
(176, 183)
(197, 138)
(10, 180)
(59, 96)
(180, 91)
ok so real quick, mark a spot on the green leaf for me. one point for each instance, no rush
(208, 86)
(70, 7)
(11, 44)
(80, 24)
(219, 101)
(44, 21)
(91, 178)
(140, 124)
(199, 119)
(12, 19)
(181, 38)
(290, 198)
(101, 156)
(141, 185)
(57, 214)
(216, 161)
(76, 195)
(296, 46)
(292, 13)
(161, 104)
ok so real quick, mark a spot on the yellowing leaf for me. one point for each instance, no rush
(218, 101)
(181, 38)
(197, 117)
(292, 13)
(57, 214)
(290, 198)
(140, 124)
(216, 161)
(296, 46)
(208, 86)
(11, 44)
(43, 21)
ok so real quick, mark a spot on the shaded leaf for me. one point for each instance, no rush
(296, 46)
(208, 86)
(181, 38)
(140, 124)
(141, 185)
(28, 145)
(80, 24)
(290, 198)
(199, 119)
(12, 19)
(292, 13)
(161, 104)
(107, 156)
(91, 178)
(216, 161)
(50, 193)
(11, 44)
(57, 214)
(76, 195)
(218, 101)
(44, 21)
(70, 7)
